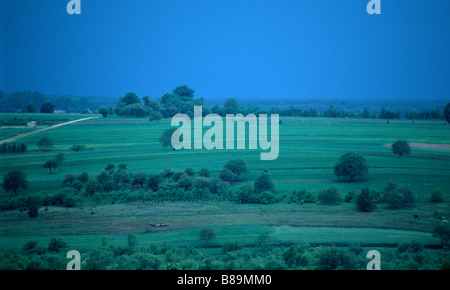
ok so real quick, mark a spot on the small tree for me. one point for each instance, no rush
(31, 108)
(104, 111)
(14, 180)
(51, 164)
(364, 201)
(204, 172)
(139, 179)
(92, 186)
(263, 183)
(329, 196)
(206, 235)
(45, 143)
(47, 108)
(401, 147)
(166, 137)
(237, 166)
(447, 113)
(352, 166)
(437, 196)
(33, 211)
(59, 158)
(442, 231)
(227, 175)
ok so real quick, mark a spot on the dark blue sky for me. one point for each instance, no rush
(229, 48)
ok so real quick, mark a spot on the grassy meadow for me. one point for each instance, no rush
(309, 149)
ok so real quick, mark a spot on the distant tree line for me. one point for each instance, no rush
(35, 102)
(181, 100)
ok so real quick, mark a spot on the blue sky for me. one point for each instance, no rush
(263, 49)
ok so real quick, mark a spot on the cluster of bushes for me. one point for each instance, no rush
(64, 198)
(232, 256)
(119, 184)
(394, 196)
(79, 148)
(13, 148)
(262, 191)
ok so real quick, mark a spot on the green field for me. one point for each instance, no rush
(309, 148)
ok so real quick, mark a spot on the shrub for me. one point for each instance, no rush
(245, 194)
(301, 196)
(436, 196)
(364, 201)
(33, 211)
(349, 196)
(329, 196)
(267, 197)
(397, 196)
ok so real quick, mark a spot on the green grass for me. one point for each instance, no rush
(309, 148)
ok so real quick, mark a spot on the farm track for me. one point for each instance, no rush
(43, 129)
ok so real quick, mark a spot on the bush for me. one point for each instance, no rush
(267, 197)
(33, 211)
(349, 196)
(301, 196)
(397, 196)
(329, 196)
(436, 196)
(364, 201)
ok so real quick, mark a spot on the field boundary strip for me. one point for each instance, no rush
(44, 129)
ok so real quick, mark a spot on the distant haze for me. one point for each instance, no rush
(255, 50)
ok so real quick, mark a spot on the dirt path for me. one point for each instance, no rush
(44, 129)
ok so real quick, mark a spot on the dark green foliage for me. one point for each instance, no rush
(447, 113)
(33, 211)
(237, 166)
(47, 108)
(166, 137)
(45, 143)
(230, 247)
(302, 196)
(329, 196)
(104, 111)
(204, 172)
(227, 175)
(50, 164)
(57, 245)
(364, 201)
(352, 166)
(14, 180)
(397, 196)
(437, 196)
(349, 196)
(78, 148)
(206, 235)
(442, 231)
(401, 147)
(263, 183)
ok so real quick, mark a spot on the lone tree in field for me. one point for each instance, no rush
(51, 164)
(447, 113)
(14, 180)
(352, 166)
(166, 137)
(401, 147)
(206, 235)
(45, 143)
